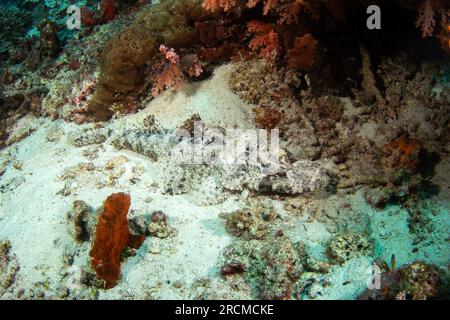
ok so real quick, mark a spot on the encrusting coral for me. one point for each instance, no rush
(112, 237)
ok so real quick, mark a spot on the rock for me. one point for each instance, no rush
(81, 221)
(154, 223)
(154, 246)
(158, 226)
(377, 198)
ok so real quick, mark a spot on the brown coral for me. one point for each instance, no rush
(112, 237)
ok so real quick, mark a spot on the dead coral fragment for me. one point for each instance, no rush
(112, 238)
(342, 248)
(246, 224)
(158, 226)
(79, 218)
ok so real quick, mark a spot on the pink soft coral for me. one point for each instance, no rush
(171, 75)
(215, 5)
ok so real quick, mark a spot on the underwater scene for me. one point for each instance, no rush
(225, 150)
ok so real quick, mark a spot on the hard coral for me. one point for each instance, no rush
(112, 237)
(246, 224)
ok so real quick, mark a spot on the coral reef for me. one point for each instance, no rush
(112, 237)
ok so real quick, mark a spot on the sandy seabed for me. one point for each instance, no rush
(44, 174)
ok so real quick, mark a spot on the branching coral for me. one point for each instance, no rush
(112, 237)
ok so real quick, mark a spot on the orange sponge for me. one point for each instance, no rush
(112, 236)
